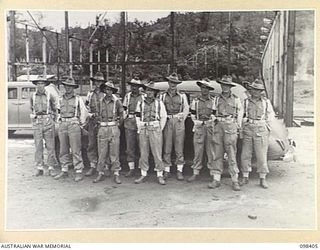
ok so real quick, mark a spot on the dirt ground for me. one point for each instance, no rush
(45, 203)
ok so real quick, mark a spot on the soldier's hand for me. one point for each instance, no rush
(58, 118)
(197, 123)
(180, 116)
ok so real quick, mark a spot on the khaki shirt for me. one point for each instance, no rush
(69, 107)
(202, 109)
(130, 102)
(149, 110)
(260, 109)
(229, 106)
(110, 109)
(175, 103)
(39, 103)
(92, 101)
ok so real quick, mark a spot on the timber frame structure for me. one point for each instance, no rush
(69, 60)
(278, 65)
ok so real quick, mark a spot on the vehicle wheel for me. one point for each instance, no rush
(11, 132)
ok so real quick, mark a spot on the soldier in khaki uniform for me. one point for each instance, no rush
(228, 122)
(110, 119)
(130, 104)
(151, 118)
(202, 113)
(73, 114)
(177, 108)
(257, 112)
(92, 103)
(44, 109)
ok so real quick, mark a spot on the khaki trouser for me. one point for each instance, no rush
(92, 150)
(150, 137)
(173, 135)
(255, 139)
(203, 141)
(43, 129)
(225, 140)
(109, 147)
(70, 138)
(131, 140)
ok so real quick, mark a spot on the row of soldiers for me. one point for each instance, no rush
(153, 123)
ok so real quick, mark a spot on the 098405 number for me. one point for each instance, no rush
(313, 246)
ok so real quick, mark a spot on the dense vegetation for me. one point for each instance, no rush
(195, 33)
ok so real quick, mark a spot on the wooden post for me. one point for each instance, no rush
(205, 62)
(27, 54)
(66, 34)
(12, 45)
(58, 58)
(99, 60)
(44, 54)
(217, 63)
(107, 60)
(290, 69)
(172, 42)
(91, 60)
(229, 44)
(80, 59)
(123, 68)
(70, 57)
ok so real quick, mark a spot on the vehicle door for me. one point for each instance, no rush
(24, 107)
(13, 108)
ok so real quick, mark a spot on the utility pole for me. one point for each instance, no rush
(13, 46)
(290, 69)
(229, 43)
(123, 70)
(58, 57)
(107, 60)
(173, 42)
(27, 54)
(205, 62)
(44, 55)
(90, 61)
(66, 34)
(70, 57)
(217, 62)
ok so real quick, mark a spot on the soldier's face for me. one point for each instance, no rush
(172, 86)
(134, 88)
(108, 91)
(205, 90)
(69, 89)
(96, 84)
(40, 87)
(225, 88)
(150, 93)
(255, 92)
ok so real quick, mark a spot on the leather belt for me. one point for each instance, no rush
(226, 119)
(131, 116)
(42, 116)
(108, 124)
(66, 119)
(172, 116)
(206, 122)
(255, 121)
(153, 123)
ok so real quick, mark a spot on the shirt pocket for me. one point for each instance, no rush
(63, 108)
(231, 109)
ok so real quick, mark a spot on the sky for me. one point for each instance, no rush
(56, 19)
